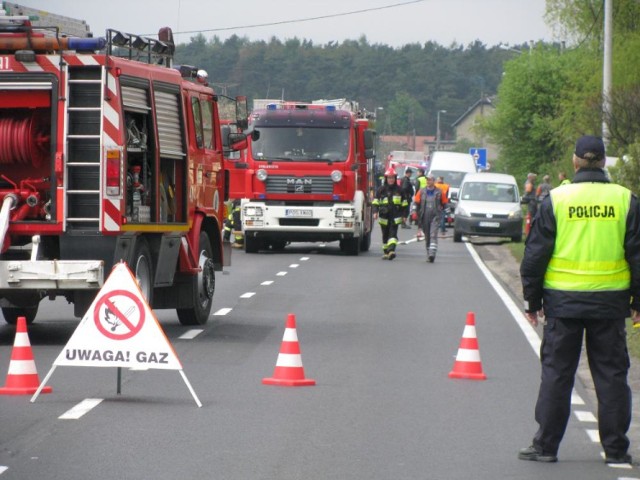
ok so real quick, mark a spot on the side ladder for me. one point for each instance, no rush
(84, 135)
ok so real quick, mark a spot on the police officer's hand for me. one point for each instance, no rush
(535, 317)
(635, 318)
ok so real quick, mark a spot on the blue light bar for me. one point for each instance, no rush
(97, 43)
(272, 106)
(331, 108)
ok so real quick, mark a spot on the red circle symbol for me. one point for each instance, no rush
(119, 315)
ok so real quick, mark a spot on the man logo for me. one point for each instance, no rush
(299, 185)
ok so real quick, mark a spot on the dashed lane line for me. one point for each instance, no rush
(191, 334)
(223, 311)
(247, 295)
(81, 409)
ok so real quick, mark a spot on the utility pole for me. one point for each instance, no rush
(606, 72)
(438, 129)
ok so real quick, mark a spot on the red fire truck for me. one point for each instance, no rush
(108, 153)
(308, 176)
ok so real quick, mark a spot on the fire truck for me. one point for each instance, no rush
(108, 153)
(308, 176)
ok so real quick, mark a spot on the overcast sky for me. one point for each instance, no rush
(391, 22)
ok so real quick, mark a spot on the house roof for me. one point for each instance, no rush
(483, 101)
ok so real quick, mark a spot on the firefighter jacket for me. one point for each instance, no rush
(390, 204)
(430, 206)
(582, 255)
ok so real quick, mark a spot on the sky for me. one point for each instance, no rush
(390, 22)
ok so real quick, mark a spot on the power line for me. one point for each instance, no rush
(401, 4)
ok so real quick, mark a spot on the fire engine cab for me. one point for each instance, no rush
(108, 153)
(308, 176)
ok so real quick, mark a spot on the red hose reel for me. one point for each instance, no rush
(24, 140)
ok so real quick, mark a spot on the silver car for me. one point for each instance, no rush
(488, 205)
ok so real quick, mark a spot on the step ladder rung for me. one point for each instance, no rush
(83, 192)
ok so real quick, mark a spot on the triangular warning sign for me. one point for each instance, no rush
(120, 330)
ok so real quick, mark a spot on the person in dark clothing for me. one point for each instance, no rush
(430, 211)
(389, 208)
(233, 224)
(407, 190)
(581, 271)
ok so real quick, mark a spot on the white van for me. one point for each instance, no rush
(452, 166)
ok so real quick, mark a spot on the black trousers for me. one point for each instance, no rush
(606, 346)
(389, 236)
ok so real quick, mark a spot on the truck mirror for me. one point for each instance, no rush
(369, 140)
(242, 112)
(255, 135)
(225, 130)
(238, 141)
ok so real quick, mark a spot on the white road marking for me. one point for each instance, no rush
(294, 265)
(191, 334)
(281, 274)
(80, 409)
(583, 416)
(576, 399)
(594, 435)
(3, 469)
(268, 282)
(247, 295)
(304, 259)
(223, 311)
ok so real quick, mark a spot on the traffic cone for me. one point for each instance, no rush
(22, 378)
(467, 364)
(289, 371)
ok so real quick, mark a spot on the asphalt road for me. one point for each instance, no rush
(378, 337)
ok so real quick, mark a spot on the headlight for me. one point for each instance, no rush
(515, 214)
(252, 211)
(461, 212)
(345, 213)
(261, 174)
(336, 176)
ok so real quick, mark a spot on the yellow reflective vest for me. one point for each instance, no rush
(589, 248)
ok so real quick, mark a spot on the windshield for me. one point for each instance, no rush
(489, 192)
(301, 144)
(454, 179)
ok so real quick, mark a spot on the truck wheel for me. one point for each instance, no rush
(350, 246)
(11, 314)
(278, 244)
(365, 242)
(251, 244)
(202, 288)
(142, 267)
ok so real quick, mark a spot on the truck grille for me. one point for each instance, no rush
(291, 184)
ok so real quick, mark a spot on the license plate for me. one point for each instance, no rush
(490, 224)
(298, 212)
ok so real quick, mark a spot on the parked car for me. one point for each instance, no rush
(488, 205)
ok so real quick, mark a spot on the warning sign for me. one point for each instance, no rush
(119, 330)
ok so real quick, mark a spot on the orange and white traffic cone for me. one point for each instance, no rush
(467, 364)
(289, 371)
(22, 378)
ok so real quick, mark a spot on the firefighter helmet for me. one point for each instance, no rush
(390, 172)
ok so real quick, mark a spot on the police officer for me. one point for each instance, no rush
(581, 270)
(390, 206)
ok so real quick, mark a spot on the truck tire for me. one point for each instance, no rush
(251, 244)
(350, 246)
(11, 314)
(365, 242)
(202, 288)
(142, 267)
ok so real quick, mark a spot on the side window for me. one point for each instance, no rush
(197, 120)
(207, 124)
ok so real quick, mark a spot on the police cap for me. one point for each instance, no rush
(590, 148)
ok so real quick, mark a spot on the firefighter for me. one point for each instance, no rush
(389, 207)
(581, 273)
(430, 210)
(232, 224)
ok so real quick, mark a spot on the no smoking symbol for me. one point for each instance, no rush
(119, 315)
